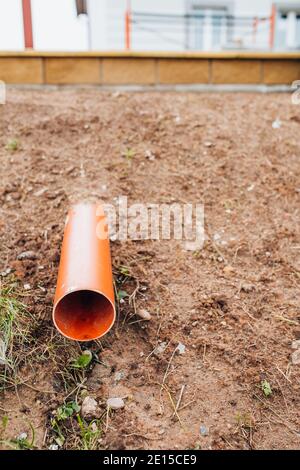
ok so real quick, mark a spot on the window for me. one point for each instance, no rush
(207, 26)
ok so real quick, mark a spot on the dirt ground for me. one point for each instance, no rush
(234, 305)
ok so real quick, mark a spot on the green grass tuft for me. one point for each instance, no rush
(15, 327)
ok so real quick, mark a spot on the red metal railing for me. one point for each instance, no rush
(184, 31)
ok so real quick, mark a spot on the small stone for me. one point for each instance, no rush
(149, 155)
(40, 192)
(94, 427)
(160, 349)
(296, 344)
(120, 375)
(31, 255)
(70, 170)
(115, 403)
(228, 270)
(53, 447)
(276, 124)
(6, 272)
(27, 287)
(208, 144)
(245, 287)
(180, 348)
(204, 430)
(53, 195)
(144, 314)
(296, 357)
(89, 408)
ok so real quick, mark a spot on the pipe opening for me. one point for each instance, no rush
(84, 315)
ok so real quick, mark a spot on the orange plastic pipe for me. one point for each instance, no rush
(272, 26)
(255, 24)
(27, 23)
(128, 26)
(84, 307)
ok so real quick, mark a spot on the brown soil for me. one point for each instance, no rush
(234, 304)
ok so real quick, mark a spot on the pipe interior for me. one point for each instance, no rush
(84, 315)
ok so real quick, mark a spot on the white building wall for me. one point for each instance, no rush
(107, 18)
(172, 36)
(107, 22)
(11, 25)
(56, 26)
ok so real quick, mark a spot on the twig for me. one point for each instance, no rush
(247, 313)
(186, 405)
(292, 322)
(179, 399)
(168, 366)
(278, 416)
(172, 402)
(215, 246)
(279, 370)
(141, 435)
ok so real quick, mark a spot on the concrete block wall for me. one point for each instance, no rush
(149, 68)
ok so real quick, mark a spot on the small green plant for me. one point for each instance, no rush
(129, 154)
(124, 270)
(266, 388)
(12, 145)
(72, 431)
(83, 360)
(63, 413)
(15, 328)
(4, 423)
(90, 433)
(66, 410)
(21, 442)
(122, 294)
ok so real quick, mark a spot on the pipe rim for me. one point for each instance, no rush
(96, 291)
